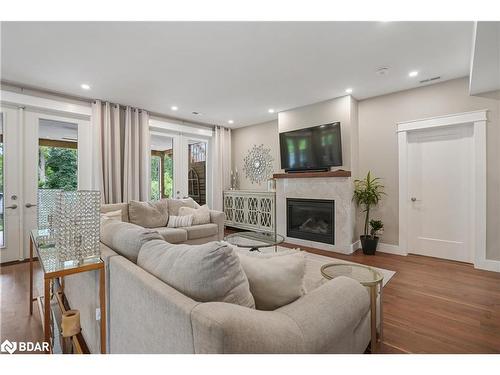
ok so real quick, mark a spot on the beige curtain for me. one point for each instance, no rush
(222, 165)
(121, 160)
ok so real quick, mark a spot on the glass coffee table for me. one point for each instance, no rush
(368, 277)
(254, 240)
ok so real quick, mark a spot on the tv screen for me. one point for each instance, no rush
(318, 147)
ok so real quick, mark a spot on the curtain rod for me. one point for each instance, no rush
(64, 95)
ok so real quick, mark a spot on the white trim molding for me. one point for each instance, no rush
(478, 120)
(45, 105)
(390, 249)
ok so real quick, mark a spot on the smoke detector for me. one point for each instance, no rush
(382, 71)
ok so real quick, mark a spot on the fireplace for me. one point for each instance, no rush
(311, 219)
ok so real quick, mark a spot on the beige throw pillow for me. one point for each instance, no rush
(200, 215)
(206, 273)
(115, 215)
(151, 214)
(180, 221)
(275, 281)
(175, 204)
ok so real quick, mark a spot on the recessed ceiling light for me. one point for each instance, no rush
(413, 73)
(230, 122)
(85, 86)
(174, 108)
(270, 110)
(349, 90)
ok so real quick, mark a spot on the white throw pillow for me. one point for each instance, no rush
(206, 273)
(200, 215)
(275, 281)
(180, 221)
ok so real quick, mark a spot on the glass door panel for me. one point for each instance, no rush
(162, 166)
(197, 171)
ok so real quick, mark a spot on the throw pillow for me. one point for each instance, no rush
(126, 238)
(151, 214)
(274, 281)
(200, 215)
(206, 273)
(115, 215)
(180, 221)
(175, 204)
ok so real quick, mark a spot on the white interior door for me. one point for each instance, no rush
(440, 172)
(10, 206)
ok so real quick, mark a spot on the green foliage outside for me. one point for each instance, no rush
(61, 168)
(156, 176)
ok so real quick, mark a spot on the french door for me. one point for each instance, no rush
(10, 185)
(180, 165)
(40, 151)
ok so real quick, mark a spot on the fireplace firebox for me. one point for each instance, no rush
(311, 219)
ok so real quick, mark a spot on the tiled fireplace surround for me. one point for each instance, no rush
(338, 189)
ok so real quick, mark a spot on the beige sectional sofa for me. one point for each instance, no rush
(196, 234)
(146, 315)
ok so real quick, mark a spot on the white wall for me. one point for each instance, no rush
(243, 139)
(378, 150)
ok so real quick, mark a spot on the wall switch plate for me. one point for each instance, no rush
(98, 314)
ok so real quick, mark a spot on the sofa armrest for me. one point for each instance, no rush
(333, 318)
(218, 217)
(323, 321)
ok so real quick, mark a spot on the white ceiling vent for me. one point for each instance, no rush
(430, 79)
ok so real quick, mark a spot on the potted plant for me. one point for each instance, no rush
(367, 194)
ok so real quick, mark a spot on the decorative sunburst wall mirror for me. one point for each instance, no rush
(258, 164)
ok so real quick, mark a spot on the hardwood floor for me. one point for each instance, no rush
(430, 305)
(434, 305)
(16, 323)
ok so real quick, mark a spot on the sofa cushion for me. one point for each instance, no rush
(175, 204)
(206, 273)
(201, 231)
(114, 215)
(151, 214)
(275, 281)
(114, 207)
(200, 215)
(126, 238)
(173, 235)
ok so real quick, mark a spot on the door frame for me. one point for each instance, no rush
(478, 120)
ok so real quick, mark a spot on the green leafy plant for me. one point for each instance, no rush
(376, 226)
(367, 194)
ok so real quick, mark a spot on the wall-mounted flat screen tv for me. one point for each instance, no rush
(315, 148)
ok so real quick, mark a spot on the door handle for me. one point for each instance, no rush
(413, 199)
(13, 207)
(28, 205)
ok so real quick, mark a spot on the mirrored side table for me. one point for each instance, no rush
(52, 269)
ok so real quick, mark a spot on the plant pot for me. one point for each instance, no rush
(369, 244)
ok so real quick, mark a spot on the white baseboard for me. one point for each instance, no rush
(488, 265)
(390, 249)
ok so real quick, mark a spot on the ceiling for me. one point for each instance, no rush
(231, 70)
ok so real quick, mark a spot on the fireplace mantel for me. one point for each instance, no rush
(337, 173)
